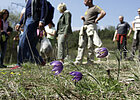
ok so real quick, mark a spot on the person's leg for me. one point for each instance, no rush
(90, 49)
(3, 51)
(135, 44)
(119, 47)
(32, 40)
(124, 47)
(139, 44)
(61, 47)
(81, 48)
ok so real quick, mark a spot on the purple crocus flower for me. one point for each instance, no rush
(57, 67)
(78, 76)
(101, 52)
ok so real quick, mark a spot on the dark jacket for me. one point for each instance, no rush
(38, 10)
(64, 24)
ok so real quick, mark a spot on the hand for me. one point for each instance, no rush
(41, 25)
(83, 18)
(114, 39)
(96, 21)
(8, 33)
(65, 35)
(17, 27)
(128, 36)
(133, 29)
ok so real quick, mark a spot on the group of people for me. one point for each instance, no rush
(122, 34)
(33, 21)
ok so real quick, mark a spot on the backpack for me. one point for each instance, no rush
(50, 12)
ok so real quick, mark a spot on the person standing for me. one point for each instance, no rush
(5, 32)
(88, 32)
(63, 30)
(136, 37)
(51, 32)
(121, 34)
(35, 14)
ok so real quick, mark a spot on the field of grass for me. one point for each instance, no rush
(104, 80)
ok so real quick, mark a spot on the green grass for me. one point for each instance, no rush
(104, 80)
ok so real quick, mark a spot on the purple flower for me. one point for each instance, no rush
(101, 52)
(57, 67)
(78, 76)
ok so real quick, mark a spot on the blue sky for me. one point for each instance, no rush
(113, 8)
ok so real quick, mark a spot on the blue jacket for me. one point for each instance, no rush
(38, 11)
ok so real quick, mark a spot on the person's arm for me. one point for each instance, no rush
(53, 33)
(115, 34)
(83, 18)
(102, 14)
(44, 9)
(67, 23)
(130, 30)
(133, 26)
(17, 27)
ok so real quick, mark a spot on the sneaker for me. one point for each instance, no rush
(17, 66)
(90, 62)
(3, 66)
(43, 63)
(130, 59)
(77, 63)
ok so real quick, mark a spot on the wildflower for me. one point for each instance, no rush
(58, 67)
(101, 52)
(12, 73)
(78, 76)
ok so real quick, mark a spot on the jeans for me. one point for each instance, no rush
(28, 42)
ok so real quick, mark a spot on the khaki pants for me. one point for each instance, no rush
(86, 39)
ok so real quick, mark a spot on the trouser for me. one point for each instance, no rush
(28, 42)
(83, 41)
(61, 46)
(3, 51)
(136, 44)
(122, 46)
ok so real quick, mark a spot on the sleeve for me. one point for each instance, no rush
(99, 9)
(117, 27)
(44, 9)
(128, 26)
(67, 23)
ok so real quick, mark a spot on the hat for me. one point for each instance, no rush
(139, 9)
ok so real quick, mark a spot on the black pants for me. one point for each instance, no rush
(122, 47)
(136, 44)
(3, 51)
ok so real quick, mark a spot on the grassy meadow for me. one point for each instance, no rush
(107, 79)
(110, 79)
